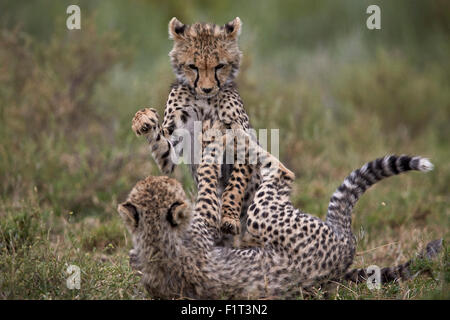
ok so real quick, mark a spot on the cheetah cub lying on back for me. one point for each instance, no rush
(174, 242)
(205, 59)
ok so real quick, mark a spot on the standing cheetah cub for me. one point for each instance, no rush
(205, 59)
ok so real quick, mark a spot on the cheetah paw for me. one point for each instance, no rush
(145, 121)
(230, 225)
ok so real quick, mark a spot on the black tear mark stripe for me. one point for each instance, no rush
(215, 69)
(217, 79)
(196, 78)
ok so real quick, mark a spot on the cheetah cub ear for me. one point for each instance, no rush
(178, 213)
(176, 29)
(129, 214)
(233, 28)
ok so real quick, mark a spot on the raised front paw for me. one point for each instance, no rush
(145, 121)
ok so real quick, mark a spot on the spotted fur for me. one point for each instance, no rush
(205, 59)
(294, 251)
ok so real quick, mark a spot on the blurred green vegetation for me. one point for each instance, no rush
(341, 95)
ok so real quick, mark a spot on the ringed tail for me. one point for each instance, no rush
(401, 271)
(347, 194)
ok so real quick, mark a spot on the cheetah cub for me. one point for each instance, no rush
(174, 241)
(205, 59)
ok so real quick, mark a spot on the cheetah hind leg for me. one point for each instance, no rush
(270, 167)
(271, 170)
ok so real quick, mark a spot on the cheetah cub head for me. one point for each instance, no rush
(205, 56)
(155, 207)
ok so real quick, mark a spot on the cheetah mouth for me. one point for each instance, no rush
(207, 96)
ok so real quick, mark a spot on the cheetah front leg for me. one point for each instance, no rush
(207, 205)
(233, 195)
(146, 123)
(161, 138)
(232, 114)
(232, 198)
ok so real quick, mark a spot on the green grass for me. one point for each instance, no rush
(339, 94)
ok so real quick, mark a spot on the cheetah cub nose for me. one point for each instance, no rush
(207, 90)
